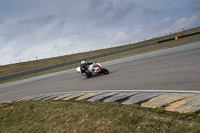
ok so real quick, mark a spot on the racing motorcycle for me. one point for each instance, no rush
(93, 69)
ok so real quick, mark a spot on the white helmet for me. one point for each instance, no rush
(83, 62)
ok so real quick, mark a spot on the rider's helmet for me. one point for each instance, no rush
(83, 62)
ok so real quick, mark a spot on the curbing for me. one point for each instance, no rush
(180, 101)
(164, 99)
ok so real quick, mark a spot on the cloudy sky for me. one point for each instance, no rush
(42, 28)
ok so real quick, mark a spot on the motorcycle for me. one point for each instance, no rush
(93, 69)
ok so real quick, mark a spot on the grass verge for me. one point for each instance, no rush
(83, 116)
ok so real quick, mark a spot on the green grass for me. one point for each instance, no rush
(19, 67)
(72, 116)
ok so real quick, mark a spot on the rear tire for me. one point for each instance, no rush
(88, 75)
(105, 71)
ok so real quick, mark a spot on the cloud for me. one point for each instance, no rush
(94, 4)
(14, 30)
(148, 30)
(149, 11)
(115, 11)
(38, 21)
(33, 35)
(196, 5)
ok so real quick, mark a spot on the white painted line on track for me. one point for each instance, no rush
(164, 91)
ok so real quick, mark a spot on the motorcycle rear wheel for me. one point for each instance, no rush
(88, 75)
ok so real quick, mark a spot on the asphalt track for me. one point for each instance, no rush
(170, 69)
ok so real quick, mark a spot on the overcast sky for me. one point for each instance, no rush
(38, 28)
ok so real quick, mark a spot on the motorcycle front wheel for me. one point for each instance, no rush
(105, 71)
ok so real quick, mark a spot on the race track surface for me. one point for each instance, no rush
(171, 69)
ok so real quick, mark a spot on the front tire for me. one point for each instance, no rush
(105, 71)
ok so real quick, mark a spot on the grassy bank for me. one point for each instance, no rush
(72, 116)
(19, 67)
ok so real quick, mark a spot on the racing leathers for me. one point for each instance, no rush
(84, 67)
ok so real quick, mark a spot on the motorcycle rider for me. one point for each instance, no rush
(84, 66)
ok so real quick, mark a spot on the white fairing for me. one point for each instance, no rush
(90, 67)
(99, 64)
(78, 69)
